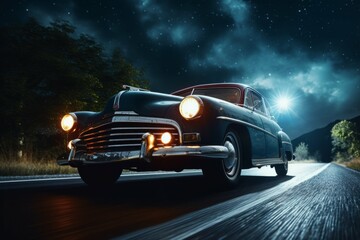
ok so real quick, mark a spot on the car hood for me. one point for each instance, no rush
(143, 103)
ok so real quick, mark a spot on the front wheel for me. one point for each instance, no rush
(227, 171)
(99, 175)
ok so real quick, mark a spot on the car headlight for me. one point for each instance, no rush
(191, 107)
(166, 138)
(68, 122)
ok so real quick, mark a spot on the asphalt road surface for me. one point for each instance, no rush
(315, 201)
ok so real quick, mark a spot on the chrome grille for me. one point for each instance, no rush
(125, 133)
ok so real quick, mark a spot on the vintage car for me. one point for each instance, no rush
(219, 128)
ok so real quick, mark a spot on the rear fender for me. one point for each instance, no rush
(285, 146)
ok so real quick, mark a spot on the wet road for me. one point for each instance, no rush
(316, 201)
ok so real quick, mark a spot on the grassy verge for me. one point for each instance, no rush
(26, 168)
(354, 164)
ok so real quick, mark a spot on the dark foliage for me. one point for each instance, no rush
(46, 72)
(320, 141)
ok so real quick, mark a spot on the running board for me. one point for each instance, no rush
(267, 161)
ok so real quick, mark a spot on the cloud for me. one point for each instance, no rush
(181, 34)
(250, 58)
(275, 48)
(167, 26)
(315, 82)
(68, 12)
(238, 10)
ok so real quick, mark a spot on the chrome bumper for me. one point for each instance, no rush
(147, 153)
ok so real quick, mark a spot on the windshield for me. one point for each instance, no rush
(228, 94)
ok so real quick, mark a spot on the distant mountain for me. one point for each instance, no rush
(319, 140)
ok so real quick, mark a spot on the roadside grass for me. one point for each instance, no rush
(29, 168)
(354, 164)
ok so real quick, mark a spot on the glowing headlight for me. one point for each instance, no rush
(68, 122)
(166, 138)
(191, 107)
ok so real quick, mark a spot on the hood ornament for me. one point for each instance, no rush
(116, 104)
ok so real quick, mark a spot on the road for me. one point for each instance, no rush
(315, 201)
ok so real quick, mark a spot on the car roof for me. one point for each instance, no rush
(213, 85)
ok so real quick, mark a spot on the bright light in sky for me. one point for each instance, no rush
(283, 103)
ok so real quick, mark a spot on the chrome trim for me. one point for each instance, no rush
(119, 128)
(132, 88)
(247, 124)
(114, 145)
(267, 161)
(73, 148)
(126, 119)
(147, 146)
(147, 152)
(116, 104)
(217, 152)
(110, 157)
(136, 119)
(286, 142)
(132, 113)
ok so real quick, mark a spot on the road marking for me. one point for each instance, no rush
(192, 223)
(38, 180)
(125, 175)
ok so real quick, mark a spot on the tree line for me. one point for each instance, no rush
(45, 72)
(345, 140)
(345, 136)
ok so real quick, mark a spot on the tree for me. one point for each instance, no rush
(302, 151)
(120, 72)
(46, 72)
(346, 139)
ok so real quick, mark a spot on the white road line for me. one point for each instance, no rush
(38, 180)
(126, 175)
(192, 223)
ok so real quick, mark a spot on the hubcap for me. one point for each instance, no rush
(231, 163)
(286, 165)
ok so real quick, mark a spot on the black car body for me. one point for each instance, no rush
(219, 128)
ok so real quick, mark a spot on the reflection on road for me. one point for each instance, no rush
(71, 209)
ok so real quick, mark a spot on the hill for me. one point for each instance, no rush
(319, 140)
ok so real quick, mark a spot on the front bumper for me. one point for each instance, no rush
(147, 153)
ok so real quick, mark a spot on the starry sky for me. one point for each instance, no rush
(308, 50)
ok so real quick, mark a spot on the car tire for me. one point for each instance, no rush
(282, 169)
(99, 175)
(226, 172)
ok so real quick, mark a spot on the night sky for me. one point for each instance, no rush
(307, 50)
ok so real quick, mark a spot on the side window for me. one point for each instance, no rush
(248, 99)
(267, 108)
(258, 103)
(254, 100)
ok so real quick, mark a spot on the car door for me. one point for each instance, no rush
(272, 129)
(257, 135)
